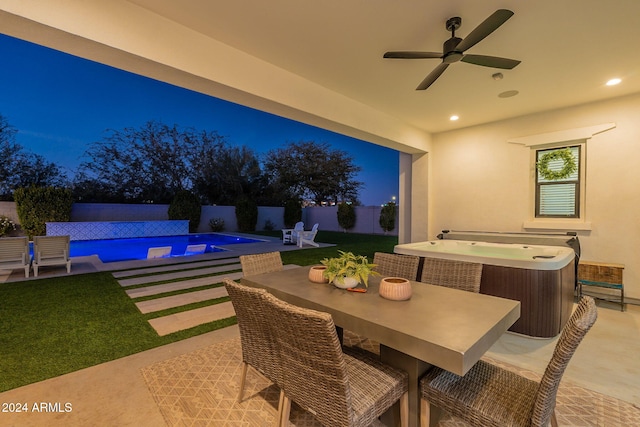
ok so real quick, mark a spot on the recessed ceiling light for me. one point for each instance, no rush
(613, 82)
(454, 118)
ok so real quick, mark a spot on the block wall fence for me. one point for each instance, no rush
(367, 217)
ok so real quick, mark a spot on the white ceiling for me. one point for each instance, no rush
(568, 49)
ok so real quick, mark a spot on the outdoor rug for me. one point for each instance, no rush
(200, 389)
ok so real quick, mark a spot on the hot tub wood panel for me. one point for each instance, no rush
(546, 296)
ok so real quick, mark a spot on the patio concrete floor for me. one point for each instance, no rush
(114, 393)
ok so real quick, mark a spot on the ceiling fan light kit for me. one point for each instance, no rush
(453, 49)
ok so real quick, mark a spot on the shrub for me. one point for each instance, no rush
(39, 205)
(292, 212)
(388, 217)
(6, 225)
(216, 224)
(346, 216)
(269, 225)
(186, 205)
(246, 214)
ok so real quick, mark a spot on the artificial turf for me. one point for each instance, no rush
(53, 326)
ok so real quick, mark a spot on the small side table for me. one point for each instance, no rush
(601, 275)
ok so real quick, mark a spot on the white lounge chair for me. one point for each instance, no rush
(159, 252)
(195, 249)
(50, 250)
(14, 253)
(308, 237)
(290, 235)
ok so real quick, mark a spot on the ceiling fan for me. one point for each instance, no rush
(454, 48)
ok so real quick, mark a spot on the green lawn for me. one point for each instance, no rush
(50, 327)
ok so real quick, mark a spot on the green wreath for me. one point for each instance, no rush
(569, 164)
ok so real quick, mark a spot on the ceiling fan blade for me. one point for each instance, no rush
(412, 55)
(487, 27)
(490, 61)
(433, 76)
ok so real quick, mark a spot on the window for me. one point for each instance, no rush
(558, 198)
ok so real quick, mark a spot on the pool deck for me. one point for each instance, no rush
(92, 264)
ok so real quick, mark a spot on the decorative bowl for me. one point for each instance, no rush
(316, 274)
(345, 282)
(395, 288)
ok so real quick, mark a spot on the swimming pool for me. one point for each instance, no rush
(112, 250)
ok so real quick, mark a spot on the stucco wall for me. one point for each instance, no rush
(479, 181)
(8, 209)
(367, 217)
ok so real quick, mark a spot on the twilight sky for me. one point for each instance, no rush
(60, 103)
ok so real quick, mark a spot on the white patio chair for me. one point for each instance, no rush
(308, 237)
(14, 253)
(290, 235)
(51, 250)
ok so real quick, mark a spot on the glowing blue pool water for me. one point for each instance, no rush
(113, 250)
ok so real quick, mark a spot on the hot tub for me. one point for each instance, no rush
(542, 278)
(532, 257)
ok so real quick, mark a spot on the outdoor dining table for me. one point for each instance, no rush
(439, 326)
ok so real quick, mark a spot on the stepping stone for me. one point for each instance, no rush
(189, 319)
(178, 275)
(173, 267)
(178, 286)
(158, 304)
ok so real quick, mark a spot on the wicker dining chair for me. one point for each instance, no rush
(396, 265)
(260, 263)
(339, 389)
(488, 395)
(257, 337)
(452, 274)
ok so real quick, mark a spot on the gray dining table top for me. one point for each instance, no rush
(444, 327)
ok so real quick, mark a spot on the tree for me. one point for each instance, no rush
(38, 205)
(222, 174)
(138, 165)
(292, 212)
(21, 169)
(346, 216)
(156, 161)
(186, 205)
(9, 150)
(311, 170)
(388, 217)
(246, 214)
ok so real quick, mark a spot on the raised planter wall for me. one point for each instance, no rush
(98, 230)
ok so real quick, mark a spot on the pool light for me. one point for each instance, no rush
(614, 82)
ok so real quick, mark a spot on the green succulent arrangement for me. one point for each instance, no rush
(349, 265)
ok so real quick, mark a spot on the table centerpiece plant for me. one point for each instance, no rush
(348, 269)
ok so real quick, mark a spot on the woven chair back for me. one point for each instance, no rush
(260, 263)
(452, 274)
(314, 369)
(257, 336)
(572, 334)
(396, 265)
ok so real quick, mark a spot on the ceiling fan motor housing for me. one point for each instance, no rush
(449, 48)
